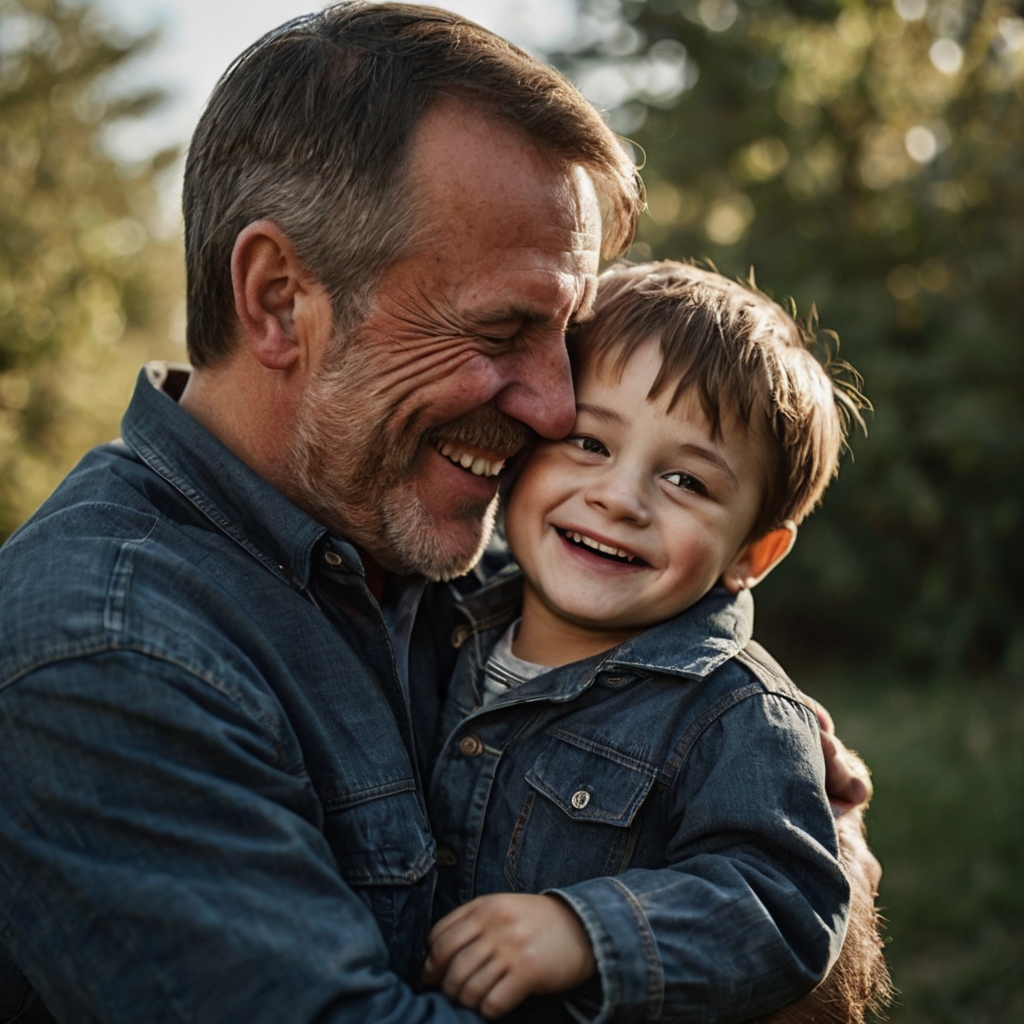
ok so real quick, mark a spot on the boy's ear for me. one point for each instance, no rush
(758, 558)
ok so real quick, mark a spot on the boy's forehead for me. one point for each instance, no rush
(606, 369)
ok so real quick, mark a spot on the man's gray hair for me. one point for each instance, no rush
(310, 128)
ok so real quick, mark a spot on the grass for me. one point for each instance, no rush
(947, 823)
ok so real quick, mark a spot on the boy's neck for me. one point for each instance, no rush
(545, 638)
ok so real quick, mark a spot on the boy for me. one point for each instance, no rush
(623, 748)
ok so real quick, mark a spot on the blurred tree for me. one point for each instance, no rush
(864, 155)
(84, 286)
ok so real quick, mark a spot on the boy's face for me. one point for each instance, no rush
(636, 514)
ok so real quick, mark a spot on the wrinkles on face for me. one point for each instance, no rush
(460, 360)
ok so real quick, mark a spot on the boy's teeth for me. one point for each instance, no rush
(476, 464)
(589, 542)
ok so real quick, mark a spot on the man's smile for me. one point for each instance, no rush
(478, 465)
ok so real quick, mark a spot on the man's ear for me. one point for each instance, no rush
(274, 295)
(758, 558)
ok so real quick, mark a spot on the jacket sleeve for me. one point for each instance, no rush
(159, 863)
(751, 908)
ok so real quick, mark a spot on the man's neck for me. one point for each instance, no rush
(245, 410)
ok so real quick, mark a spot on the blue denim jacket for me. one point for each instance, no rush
(208, 809)
(671, 790)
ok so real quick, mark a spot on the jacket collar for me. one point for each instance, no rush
(691, 645)
(234, 497)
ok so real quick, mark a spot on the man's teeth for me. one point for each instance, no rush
(477, 465)
(589, 542)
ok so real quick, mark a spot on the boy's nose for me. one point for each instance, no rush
(619, 495)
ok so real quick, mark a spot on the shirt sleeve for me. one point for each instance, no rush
(159, 864)
(751, 908)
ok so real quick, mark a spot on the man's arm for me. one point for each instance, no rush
(847, 779)
(160, 863)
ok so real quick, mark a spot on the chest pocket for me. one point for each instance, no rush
(379, 835)
(580, 818)
(385, 853)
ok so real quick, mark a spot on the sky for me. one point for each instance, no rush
(200, 38)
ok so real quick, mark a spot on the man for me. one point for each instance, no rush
(210, 743)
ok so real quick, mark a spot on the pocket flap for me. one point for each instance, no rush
(379, 836)
(587, 785)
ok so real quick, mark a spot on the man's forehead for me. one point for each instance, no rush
(464, 156)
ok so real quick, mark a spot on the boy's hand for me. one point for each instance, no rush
(494, 951)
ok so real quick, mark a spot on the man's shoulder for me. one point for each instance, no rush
(114, 559)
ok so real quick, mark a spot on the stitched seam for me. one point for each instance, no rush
(649, 946)
(87, 649)
(710, 714)
(120, 582)
(610, 753)
(341, 803)
(208, 508)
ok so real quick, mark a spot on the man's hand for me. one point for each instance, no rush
(494, 951)
(847, 779)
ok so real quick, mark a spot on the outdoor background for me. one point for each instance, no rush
(865, 156)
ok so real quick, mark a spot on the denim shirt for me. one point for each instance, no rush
(208, 807)
(670, 790)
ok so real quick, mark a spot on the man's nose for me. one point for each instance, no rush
(539, 389)
(619, 493)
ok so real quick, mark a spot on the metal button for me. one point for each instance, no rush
(446, 857)
(332, 558)
(471, 745)
(580, 799)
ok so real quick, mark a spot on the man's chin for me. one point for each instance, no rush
(438, 548)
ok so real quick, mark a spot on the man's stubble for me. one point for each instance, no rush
(356, 473)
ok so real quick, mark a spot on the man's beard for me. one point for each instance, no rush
(360, 481)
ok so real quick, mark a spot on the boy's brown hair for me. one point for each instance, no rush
(746, 357)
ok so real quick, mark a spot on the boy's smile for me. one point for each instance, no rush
(633, 517)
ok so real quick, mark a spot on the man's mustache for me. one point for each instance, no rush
(486, 429)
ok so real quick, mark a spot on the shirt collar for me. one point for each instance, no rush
(234, 497)
(692, 645)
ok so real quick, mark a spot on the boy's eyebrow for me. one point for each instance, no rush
(709, 455)
(601, 413)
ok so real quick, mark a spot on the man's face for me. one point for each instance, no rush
(462, 359)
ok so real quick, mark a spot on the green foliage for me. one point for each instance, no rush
(79, 268)
(947, 823)
(865, 157)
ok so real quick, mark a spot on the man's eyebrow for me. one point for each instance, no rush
(585, 310)
(499, 314)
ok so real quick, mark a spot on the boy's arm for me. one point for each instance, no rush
(750, 910)
(745, 917)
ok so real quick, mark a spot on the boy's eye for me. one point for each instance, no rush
(686, 482)
(588, 444)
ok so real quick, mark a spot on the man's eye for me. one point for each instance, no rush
(588, 444)
(686, 482)
(500, 333)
